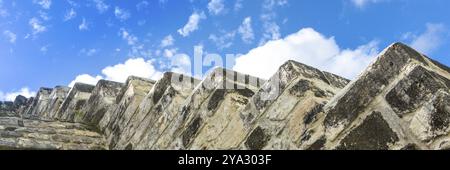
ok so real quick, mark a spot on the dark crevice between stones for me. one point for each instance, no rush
(216, 98)
(79, 104)
(129, 147)
(370, 84)
(440, 119)
(245, 92)
(373, 134)
(161, 87)
(257, 140)
(191, 131)
(300, 88)
(318, 144)
(411, 92)
(410, 146)
(311, 115)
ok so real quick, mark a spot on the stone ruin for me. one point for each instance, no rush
(401, 101)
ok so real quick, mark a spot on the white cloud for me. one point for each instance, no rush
(270, 4)
(142, 5)
(10, 36)
(44, 15)
(216, 7)
(44, 49)
(101, 6)
(131, 39)
(120, 72)
(11, 96)
(223, 41)
(192, 24)
(70, 14)
(430, 40)
(72, 3)
(363, 3)
(350, 62)
(3, 12)
(136, 67)
(246, 30)
(89, 52)
(46, 4)
(309, 47)
(271, 29)
(170, 52)
(37, 26)
(271, 32)
(142, 22)
(121, 14)
(84, 25)
(167, 41)
(181, 63)
(86, 78)
(238, 5)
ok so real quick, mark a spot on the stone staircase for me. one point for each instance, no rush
(18, 133)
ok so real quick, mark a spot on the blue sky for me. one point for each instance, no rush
(44, 43)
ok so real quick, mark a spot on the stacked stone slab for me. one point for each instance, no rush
(57, 96)
(40, 102)
(127, 104)
(23, 110)
(17, 133)
(401, 101)
(13, 108)
(7, 109)
(20, 101)
(208, 112)
(103, 97)
(276, 116)
(156, 111)
(74, 102)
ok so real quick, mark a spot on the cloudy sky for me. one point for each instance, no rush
(44, 43)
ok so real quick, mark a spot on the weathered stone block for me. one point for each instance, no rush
(72, 105)
(102, 98)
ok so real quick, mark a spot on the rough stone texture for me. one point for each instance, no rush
(127, 104)
(74, 102)
(7, 109)
(16, 133)
(102, 98)
(23, 110)
(401, 100)
(373, 133)
(20, 101)
(157, 110)
(57, 96)
(40, 103)
(13, 108)
(283, 107)
(210, 111)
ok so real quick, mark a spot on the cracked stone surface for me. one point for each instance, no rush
(401, 101)
(401, 97)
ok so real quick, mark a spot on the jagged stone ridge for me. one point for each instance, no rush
(398, 102)
(401, 101)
